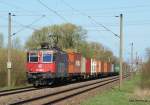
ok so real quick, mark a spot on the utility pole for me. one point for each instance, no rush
(9, 52)
(121, 49)
(132, 57)
(136, 61)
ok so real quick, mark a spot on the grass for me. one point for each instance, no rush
(116, 96)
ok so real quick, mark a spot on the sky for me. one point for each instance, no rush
(136, 20)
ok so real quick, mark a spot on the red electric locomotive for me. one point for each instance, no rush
(46, 64)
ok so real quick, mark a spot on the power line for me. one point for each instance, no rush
(90, 18)
(103, 26)
(55, 12)
(119, 8)
(36, 15)
(94, 30)
(25, 26)
(128, 23)
(29, 25)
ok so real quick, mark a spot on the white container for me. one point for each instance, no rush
(112, 67)
(83, 65)
(93, 66)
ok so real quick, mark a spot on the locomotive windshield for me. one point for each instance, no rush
(33, 57)
(47, 57)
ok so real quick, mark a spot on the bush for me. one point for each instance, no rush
(145, 75)
(145, 72)
(18, 75)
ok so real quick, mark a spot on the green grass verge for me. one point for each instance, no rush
(116, 96)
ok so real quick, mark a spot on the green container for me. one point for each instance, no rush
(116, 67)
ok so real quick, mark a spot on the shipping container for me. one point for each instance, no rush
(97, 66)
(74, 63)
(100, 66)
(77, 63)
(93, 66)
(112, 68)
(71, 62)
(105, 67)
(108, 67)
(83, 65)
(88, 66)
(116, 68)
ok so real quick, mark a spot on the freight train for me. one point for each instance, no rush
(47, 65)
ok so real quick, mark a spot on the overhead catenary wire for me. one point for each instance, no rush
(29, 27)
(92, 19)
(118, 8)
(128, 23)
(26, 26)
(27, 15)
(52, 10)
(104, 26)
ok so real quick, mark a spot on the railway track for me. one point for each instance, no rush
(62, 94)
(26, 89)
(17, 90)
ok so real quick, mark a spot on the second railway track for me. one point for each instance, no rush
(17, 90)
(67, 92)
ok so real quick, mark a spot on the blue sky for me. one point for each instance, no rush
(136, 20)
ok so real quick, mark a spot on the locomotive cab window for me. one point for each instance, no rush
(33, 57)
(47, 57)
